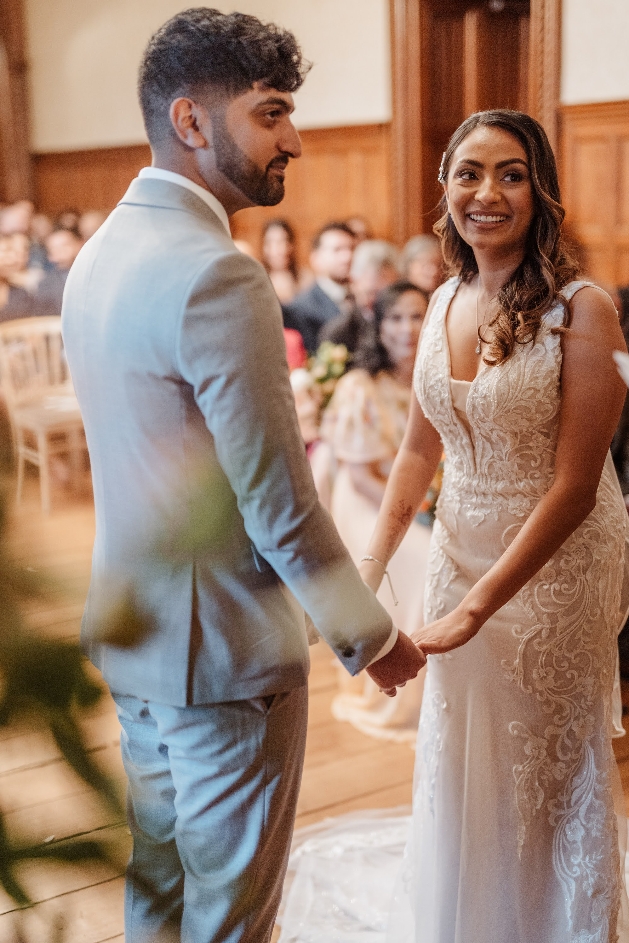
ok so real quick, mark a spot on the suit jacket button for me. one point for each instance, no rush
(348, 652)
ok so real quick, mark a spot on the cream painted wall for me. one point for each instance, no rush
(84, 57)
(595, 46)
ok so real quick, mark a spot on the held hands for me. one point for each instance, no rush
(398, 666)
(454, 630)
(404, 661)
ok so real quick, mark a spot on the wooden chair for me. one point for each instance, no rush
(42, 406)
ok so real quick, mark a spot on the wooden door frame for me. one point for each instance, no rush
(16, 182)
(409, 57)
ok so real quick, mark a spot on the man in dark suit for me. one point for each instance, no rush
(174, 340)
(374, 267)
(330, 296)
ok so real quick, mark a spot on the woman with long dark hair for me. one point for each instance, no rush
(363, 427)
(279, 257)
(515, 830)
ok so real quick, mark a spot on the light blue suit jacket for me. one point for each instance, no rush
(175, 346)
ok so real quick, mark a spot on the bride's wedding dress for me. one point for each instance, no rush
(517, 806)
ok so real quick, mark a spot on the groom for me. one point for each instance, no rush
(175, 345)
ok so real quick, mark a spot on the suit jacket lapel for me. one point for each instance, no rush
(329, 309)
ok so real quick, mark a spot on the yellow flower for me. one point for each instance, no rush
(338, 354)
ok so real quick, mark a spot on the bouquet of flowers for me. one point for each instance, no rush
(327, 367)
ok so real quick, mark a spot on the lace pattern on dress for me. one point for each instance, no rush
(429, 746)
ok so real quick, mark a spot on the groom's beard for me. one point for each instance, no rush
(262, 187)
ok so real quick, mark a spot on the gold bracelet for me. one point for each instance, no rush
(386, 573)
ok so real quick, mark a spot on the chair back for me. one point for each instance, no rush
(32, 361)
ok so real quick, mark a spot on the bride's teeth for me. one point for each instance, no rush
(487, 219)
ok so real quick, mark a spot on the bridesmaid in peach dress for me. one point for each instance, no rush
(363, 426)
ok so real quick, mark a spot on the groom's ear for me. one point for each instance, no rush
(191, 123)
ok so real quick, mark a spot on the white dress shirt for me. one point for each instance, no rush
(156, 173)
(334, 290)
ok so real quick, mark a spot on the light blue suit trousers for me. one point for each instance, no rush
(211, 802)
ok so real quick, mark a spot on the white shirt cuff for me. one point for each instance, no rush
(386, 648)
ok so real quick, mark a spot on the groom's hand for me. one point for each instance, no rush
(398, 666)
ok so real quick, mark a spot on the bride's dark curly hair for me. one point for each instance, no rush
(548, 264)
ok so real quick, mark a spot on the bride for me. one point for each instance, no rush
(515, 836)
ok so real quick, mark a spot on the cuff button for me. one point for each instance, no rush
(348, 652)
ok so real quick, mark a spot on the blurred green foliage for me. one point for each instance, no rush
(43, 683)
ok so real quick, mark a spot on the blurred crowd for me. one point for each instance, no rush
(333, 299)
(36, 253)
(328, 306)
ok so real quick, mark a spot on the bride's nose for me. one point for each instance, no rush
(488, 190)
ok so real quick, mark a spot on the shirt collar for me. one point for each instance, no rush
(156, 173)
(333, 290)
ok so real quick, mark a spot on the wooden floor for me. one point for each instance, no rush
(344, 769)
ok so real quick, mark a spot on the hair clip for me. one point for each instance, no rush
(441, 176)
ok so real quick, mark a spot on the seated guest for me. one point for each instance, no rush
(375, 266)
(41, 227)
(15, 302)
(62, 248)
(68, 219)
(16, 217)
(279, 257)
(90, 222)
(296, 355)
(27, 273)
(422, 262)
(364, 425)
(330, 260)
(308, 402)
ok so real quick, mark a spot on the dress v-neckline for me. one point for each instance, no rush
(465, 427)
(446, 343)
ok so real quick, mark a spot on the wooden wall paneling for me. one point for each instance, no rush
(594, 147)
(500, 54)
(90, 179)
(622, 256)
(496, 57)
(409, 25)
(524, 62)
(15, 163)
(472, 91)
(545, 64)
(446, 89)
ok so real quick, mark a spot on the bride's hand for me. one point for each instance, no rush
(447, 633)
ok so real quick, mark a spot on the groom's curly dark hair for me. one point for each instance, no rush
(201, 49)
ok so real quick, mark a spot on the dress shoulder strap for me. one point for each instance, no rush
(447, 293)
(569, 291)
(555, 315)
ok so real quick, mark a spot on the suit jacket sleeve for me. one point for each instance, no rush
(231, 351)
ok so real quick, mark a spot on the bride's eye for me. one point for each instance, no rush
(465, 175)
